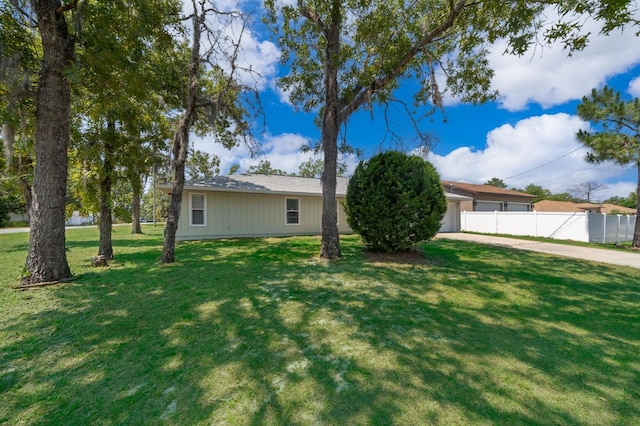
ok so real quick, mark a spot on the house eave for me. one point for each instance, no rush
(168, 187)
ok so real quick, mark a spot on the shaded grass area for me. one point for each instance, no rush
(263, 332)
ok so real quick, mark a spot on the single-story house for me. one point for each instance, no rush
(568, 206)
(77, 219)
(251, 205)
(483, 198)
(613, 209)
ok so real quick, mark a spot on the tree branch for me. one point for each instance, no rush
(362, 93)
(311, 16)
(68, 7)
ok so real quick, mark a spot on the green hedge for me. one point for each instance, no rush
(395, 200)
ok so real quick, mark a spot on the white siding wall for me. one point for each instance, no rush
(231, 214)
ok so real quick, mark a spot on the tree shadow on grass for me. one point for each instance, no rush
(261, 331)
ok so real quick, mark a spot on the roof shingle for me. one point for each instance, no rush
(274, 184)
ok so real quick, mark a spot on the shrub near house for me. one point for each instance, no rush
(394, 201)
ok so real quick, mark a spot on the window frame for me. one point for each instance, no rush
(496, 202)
(286, 212)
(204, 209)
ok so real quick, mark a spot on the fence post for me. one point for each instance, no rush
(495, 214)
(604, 229)
(618, 230)
(535, 223)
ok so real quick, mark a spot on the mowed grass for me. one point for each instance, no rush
(263, 332)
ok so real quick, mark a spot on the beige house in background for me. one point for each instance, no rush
(483, 198)
(568, 206)
(254, 206)
(612, 209)
(251, 205)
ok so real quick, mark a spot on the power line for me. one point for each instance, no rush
(545, 164)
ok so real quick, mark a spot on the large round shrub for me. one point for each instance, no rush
(394, 201)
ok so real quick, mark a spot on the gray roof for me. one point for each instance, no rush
(272, 184)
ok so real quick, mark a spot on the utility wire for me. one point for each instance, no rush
(545, 164)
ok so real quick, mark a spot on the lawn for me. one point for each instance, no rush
(261, 331)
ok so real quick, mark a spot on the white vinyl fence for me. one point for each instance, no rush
(583, 226)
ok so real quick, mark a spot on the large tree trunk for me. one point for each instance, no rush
(106, 202)
(180, 148)
(330, 246)
(46, 257)
(180, 143)
(636, 232)
(135, 206)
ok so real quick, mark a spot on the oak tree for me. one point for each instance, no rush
(46, 255)
(214, 101)
(348, 55)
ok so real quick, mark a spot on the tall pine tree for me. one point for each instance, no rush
(617, 137)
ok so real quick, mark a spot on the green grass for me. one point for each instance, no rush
(263, 332)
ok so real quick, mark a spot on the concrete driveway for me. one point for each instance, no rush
(13, 230)
(614, 257)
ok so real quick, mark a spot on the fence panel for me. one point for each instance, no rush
(610, 229)
(577, 226)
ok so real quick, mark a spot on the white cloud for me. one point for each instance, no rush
(282, 151)
(261, 58)
(257, 60)
(542, 150)
(634, 87)
(620, 189)
(283, 96)
(548, 76)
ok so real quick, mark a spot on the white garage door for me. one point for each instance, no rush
(449, 219)
(488, 206)
(518, 207)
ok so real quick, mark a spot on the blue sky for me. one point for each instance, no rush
(526, 136)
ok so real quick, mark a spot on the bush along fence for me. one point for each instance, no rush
(582, 226)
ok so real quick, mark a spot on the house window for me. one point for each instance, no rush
(292, 211)
(488, 206)
(198, 210)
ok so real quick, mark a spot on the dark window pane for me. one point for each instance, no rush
(292, 204)
(292, 218)
(197, 217)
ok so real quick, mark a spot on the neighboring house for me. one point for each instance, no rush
(247, 205)
(77, 219)
(568, 206)
(18, 217)
(485, 198)
(613, 209)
